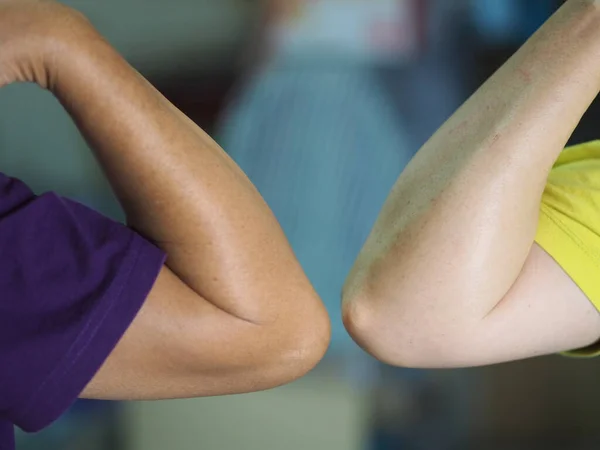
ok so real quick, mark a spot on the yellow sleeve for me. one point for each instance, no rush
(569, 226)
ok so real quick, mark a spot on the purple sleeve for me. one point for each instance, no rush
(71, 283)
(7, 439)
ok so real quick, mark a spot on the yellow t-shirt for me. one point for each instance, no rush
(569, 227)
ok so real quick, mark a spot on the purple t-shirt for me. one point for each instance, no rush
(71, 283)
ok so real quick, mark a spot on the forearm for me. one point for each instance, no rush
(461, 219)
(177, 186)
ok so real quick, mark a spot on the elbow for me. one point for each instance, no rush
(307, 336)
(397, 339)
(372, 334)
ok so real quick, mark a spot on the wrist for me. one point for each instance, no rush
(34, 36)
(65, 39)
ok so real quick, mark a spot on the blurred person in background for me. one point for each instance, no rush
(211, 301)
(316, 132)
(429, 89)
(488, 249)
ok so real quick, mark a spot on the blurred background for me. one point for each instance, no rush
(322, 103)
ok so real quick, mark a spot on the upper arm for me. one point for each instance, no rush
(79, 293)
(544, 312)
(180, 345)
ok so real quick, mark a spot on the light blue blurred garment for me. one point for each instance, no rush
(324, 147)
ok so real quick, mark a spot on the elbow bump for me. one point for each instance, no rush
(362, 327)
(307, 340)
(384, 337)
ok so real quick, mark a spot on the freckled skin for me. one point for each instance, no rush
(525, 75)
